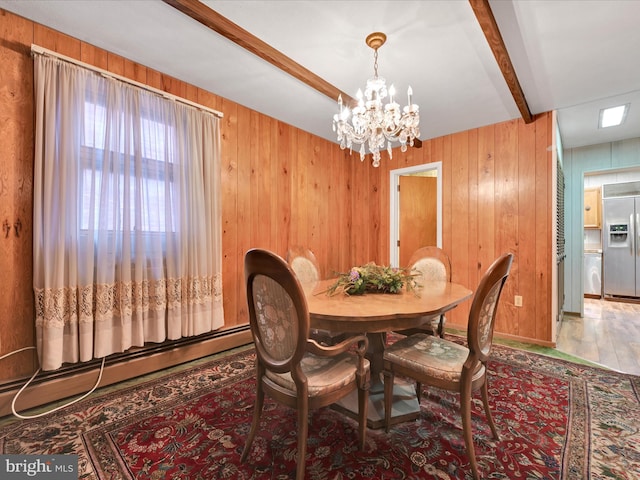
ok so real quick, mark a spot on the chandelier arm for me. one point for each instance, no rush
(393, 134)
(350, 133)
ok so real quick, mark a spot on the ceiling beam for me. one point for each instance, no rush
(489, 26)
(200, 12)
(233, 32)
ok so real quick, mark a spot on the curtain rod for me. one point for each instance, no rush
(43, 51)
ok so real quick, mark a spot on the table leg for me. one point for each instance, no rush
(405, 405)
(377, 342)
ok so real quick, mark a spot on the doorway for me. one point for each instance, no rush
(415, 209)
(614, 324)
(595, 232)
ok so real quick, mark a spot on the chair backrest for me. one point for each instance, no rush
(484, 307)
(431, 263)
(304, 264)
(278, 312)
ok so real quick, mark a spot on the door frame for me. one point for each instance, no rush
(394, 206)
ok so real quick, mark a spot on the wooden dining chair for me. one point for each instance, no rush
(291, 368)
(441, 363)
(306, 267)
(304, 264)
(430, 263)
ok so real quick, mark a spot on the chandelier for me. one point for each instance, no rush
(373, 123)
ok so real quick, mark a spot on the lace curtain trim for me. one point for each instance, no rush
(62, 306)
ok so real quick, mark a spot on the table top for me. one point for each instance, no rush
(381, 312)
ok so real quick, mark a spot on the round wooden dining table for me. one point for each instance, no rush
(375, 314)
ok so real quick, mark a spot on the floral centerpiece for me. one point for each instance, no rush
(372, 278)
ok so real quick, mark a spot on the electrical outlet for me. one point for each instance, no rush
(518, 300)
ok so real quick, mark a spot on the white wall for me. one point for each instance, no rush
(608, 159)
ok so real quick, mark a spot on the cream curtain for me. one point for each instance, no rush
(127, 230)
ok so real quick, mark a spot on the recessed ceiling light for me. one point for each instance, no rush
(610, 117)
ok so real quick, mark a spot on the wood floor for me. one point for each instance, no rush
(609, 334)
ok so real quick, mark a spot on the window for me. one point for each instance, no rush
(127, 230)
(108, 171)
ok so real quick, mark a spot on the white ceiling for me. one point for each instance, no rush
(574, 56)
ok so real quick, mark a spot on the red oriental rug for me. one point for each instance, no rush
(557, 420)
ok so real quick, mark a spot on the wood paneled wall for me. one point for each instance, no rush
(497, 198)
(282, 186)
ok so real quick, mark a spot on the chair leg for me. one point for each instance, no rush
(363, 412)
(465, 412)
(388, 397)
(485, 401)
(257, 411)
(418, 392)
(303, 431)
(441, 326)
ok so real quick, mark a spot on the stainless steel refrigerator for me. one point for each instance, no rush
(621, 246)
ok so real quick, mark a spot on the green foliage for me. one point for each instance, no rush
(372, 278)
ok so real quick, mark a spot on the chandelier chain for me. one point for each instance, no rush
(375, 63)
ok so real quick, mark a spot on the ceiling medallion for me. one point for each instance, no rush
(373, 123)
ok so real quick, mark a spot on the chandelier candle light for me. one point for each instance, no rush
(373, 123)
